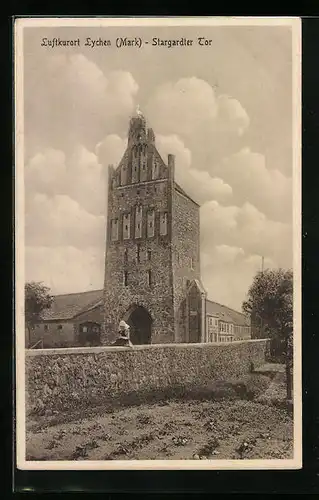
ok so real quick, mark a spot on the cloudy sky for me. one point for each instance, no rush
(225, 111)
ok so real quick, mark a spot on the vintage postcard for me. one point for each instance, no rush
(158, 256)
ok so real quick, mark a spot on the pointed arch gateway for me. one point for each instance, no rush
(140, 322)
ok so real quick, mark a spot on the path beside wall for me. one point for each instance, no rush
(65, 379)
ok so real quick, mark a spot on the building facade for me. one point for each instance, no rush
(73, 320)
(76, 320)
(152, 267)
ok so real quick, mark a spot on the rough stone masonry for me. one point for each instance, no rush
(80, 378)
(152, 264)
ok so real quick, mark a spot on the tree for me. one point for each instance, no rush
(37, 299)
(270, 304)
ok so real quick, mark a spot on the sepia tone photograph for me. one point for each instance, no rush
(158, 283)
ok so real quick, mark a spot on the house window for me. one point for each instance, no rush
(138, 221)
(149, 277)
(138, 253)
(114, 229)
(46, 328)
(84, 329)
(60, 327)
(150, 223)
(125, 278)
(163, 224)
(126, 226)
(149, 255)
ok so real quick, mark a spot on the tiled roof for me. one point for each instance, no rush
(181, 191)
(70, 305)
(226, 313)
(66, 307)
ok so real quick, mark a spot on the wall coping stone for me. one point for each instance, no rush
(102, 349)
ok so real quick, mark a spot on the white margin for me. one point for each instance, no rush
(20, 24)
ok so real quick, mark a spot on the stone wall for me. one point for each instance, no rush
(65, 379)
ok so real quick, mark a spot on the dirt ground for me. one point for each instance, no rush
(194, 429)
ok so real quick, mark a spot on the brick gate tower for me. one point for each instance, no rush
(152, 268)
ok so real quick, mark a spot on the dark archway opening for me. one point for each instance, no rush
(140, 323)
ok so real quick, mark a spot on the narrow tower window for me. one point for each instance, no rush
(138, 222)
(135, 166)
(125, 256)
(143, 172)
(114, 229)
(155, 170)
(163, 224)
(149, 255)
(125, 278)
(138, 253)
(123, 175)
(126, 226)
(149, 278)
(192, 263)
(150, 223)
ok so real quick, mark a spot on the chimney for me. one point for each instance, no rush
(171, 166)
(171, 160)
(111, 172)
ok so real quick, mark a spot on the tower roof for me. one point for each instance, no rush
(138, 113)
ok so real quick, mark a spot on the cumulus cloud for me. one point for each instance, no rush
(190, 108)
(248, 228)
(231, 116)
(65, 269)
(199, 184)
(79, 176)
(182, 106)
(267, 189)
(228, 271)
(68, 98)
(60, 220)
(111, 149)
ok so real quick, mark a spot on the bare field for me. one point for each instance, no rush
(228, 428)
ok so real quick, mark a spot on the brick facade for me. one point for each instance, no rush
(152, 249)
